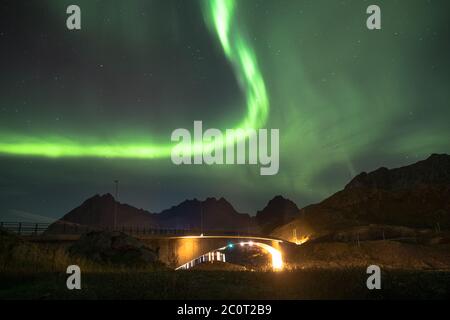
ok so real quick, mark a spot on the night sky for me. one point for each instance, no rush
(79, 109)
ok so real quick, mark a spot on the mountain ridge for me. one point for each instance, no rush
(211, 214)
(406, 177)
(416, 196)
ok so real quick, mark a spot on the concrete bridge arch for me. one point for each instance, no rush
(177, 251)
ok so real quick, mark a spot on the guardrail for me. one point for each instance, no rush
(25, 228)
(61, 228)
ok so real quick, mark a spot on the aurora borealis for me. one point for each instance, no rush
(80, 109)
(220, 14)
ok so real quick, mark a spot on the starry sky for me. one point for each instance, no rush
(345, 99)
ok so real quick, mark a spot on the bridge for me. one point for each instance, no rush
(276, 254)
(179, 249)
(185, 252)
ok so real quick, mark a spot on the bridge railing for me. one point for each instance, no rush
(29, 228)
(65, 228)
(25, 228)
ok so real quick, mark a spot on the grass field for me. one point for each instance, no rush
(186, 285)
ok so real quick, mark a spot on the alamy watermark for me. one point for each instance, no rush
(374, 280)
(234, 147)
(74, 279)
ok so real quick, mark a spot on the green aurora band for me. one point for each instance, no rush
(220, 16)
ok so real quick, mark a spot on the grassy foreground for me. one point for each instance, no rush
(299, 284)
(32, 271)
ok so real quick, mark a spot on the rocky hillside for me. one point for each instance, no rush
(434, 171)
(416, 196)
(113, 248)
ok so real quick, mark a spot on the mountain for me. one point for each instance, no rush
(433, 171)
(277, 212)
(98, 211)
(416, 196)
(209, 215)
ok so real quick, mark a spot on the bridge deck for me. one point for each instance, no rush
(75, 237)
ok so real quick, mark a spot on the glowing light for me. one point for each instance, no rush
(250, 243)
(220, 16)
(230, 246)
(277, 258)
(242, 244)
(302, 240)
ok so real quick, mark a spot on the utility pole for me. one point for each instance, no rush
(116, 182)
(201, 218)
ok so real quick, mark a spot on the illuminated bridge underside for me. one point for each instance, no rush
(215, 255)
(178, 251)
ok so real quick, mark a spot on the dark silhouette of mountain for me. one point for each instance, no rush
(211, 214)
(416, 196)
(277, 212)
(433, 171)
(99, 211)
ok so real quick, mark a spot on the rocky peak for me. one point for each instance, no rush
(278, 211)
(433, 171)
